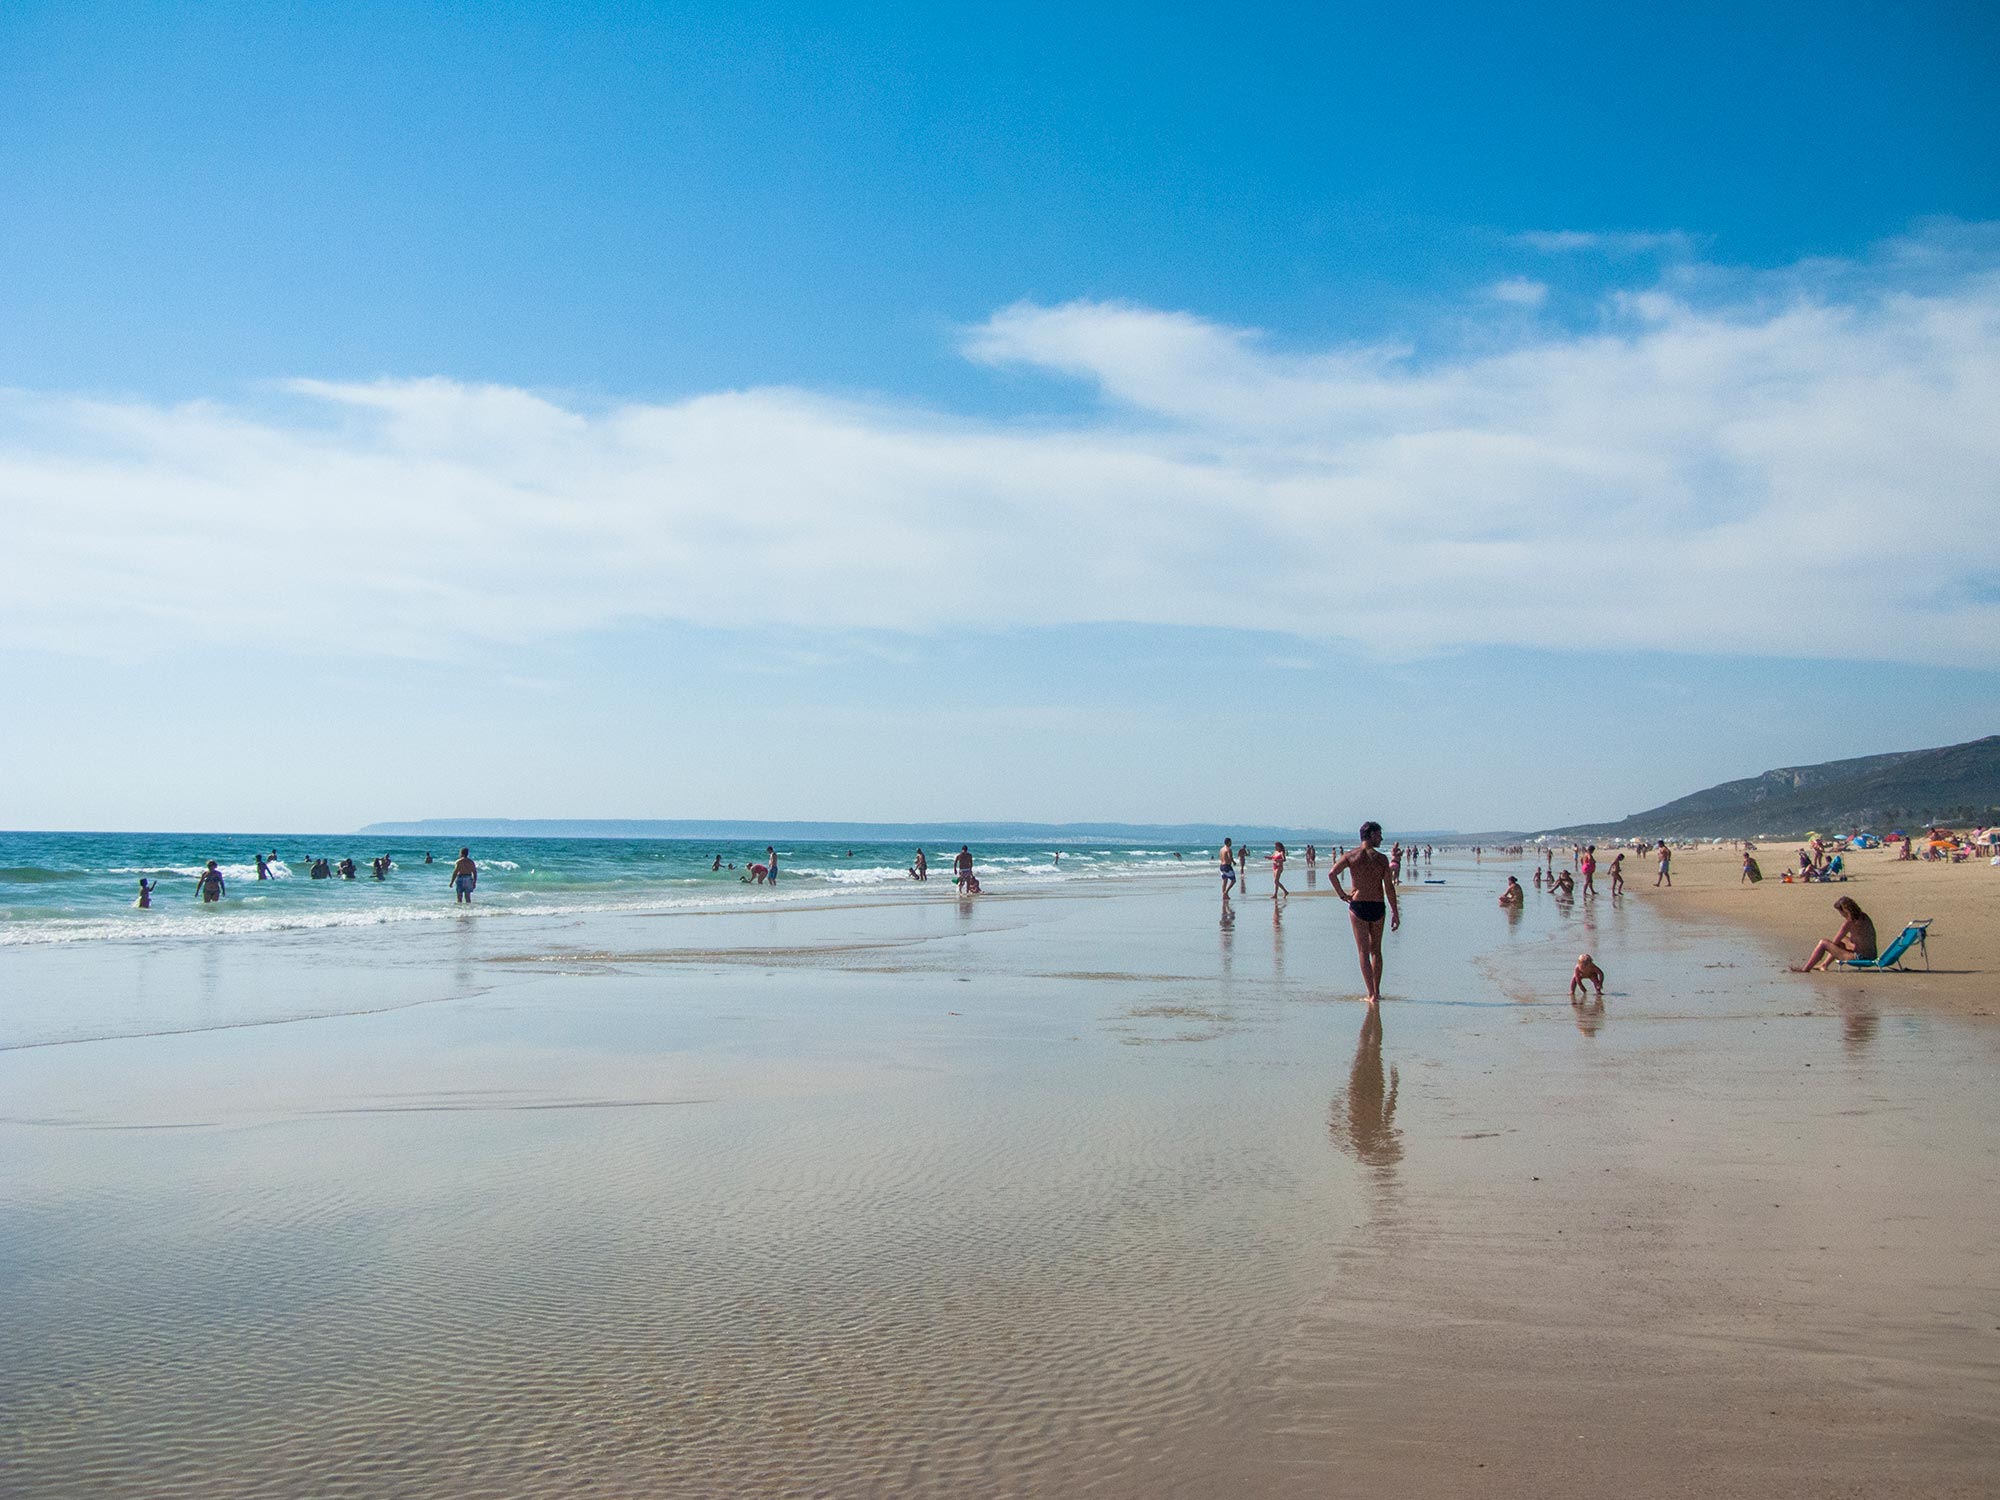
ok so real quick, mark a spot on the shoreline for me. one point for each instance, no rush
(1051, 1194)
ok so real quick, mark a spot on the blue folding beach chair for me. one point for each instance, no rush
(1918, 932)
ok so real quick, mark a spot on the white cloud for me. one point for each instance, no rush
(1520, 291)
(1809, 474)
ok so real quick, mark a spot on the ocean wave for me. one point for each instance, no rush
(37, 875)
(279, 871)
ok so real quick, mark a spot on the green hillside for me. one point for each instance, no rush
(1954, 785)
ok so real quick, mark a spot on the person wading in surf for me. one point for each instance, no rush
(1374, 893)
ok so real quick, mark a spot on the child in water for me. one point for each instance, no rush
(145, 901)
(1585, 972)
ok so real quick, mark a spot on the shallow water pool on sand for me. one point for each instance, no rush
(1081, 1193)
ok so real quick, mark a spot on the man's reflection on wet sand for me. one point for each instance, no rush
(1362, 1118)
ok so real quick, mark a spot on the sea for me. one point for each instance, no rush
(83, 887)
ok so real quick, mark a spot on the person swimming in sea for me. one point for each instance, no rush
(1374, 895)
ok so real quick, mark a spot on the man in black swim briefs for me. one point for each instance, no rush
(1374, 894)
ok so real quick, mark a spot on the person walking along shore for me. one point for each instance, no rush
(1374, 895)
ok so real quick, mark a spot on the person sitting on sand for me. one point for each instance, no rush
(1585, 972)
(1751, 873)
(209, 883)
(1856, 939)
(464, 878)
(1513, 895)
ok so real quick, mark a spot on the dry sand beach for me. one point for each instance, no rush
(1079, 1193)
(1962, 899)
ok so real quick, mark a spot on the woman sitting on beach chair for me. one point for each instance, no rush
(1856, 938)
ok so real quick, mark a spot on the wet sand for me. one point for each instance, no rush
(1081, 1194)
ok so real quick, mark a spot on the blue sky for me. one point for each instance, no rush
(1466, 415)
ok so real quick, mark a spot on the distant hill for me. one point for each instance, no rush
(1954, 785)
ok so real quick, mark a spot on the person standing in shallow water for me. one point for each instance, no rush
(208, 884)
(464, 878)
(1228, 858)
(1374, 896)
(771, 864)
(1666, 875)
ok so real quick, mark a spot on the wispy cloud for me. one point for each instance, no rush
(1810, 473)
(1615, 242)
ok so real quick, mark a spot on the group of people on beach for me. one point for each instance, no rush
(961, 870)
